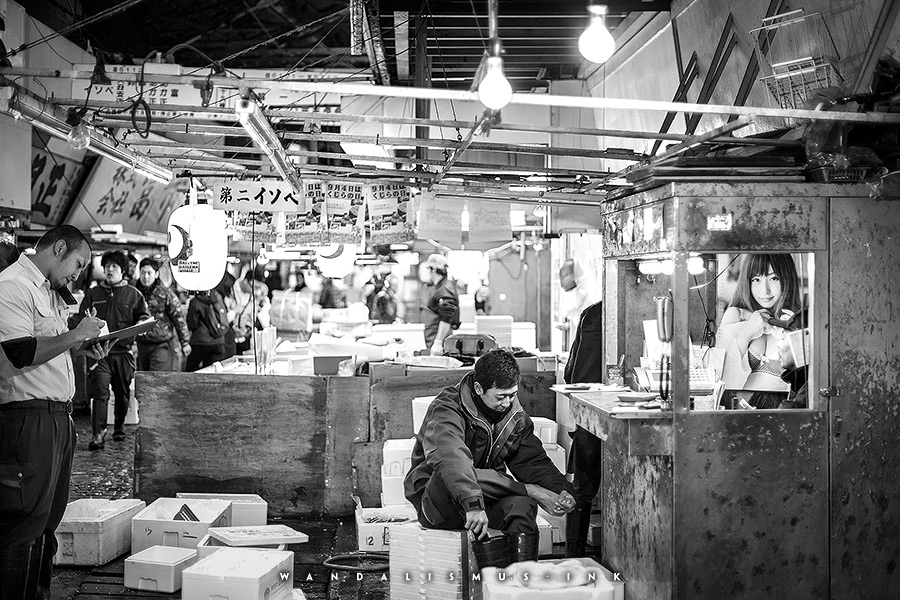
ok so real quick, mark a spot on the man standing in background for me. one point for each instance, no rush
(37, 382)
(441, 311)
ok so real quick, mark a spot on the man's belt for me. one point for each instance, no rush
(48, 405)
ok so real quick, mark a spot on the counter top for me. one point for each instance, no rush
(643, 432)
(608, 403)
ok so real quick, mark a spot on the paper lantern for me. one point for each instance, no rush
(336, 261)
(198, 246)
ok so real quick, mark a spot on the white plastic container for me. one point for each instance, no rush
(558, 455)
(240, 574)
(602, 584)
(419, 408)
(396, 456)
(391, 488)
(246, 509)
(546, 429)
(545, 539)
(158, 568)
(373, 525)
(156, 526)
(95, 531)
(257, 535)
(209, 544)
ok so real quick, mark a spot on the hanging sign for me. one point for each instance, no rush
(307, 226)
(252, 196)
(257, 227)
(440, 219)
(198, 246)
(54, 171)
(344, 212)
(489, 222)
(390, 220)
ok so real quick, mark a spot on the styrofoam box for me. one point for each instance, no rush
(376, 536)
(602, 584)
(209, 544)
(397, 456)
(95, 531)
(594, 529)
(158, 568)
(240, 574)
(545, 537)
(391, 488)
(545, 429)
(419, 408)
(558, 455)
(155, 525)
(431, 564)
(246, 509)
(557, 524)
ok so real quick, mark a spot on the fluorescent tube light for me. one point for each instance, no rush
(260, 131)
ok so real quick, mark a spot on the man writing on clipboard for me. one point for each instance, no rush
(37, 382)
(120, 305)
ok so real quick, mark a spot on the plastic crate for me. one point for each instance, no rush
(832, 175)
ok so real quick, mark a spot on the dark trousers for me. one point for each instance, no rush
(506, 512)
(116, 369)
(584, 462)
(204, 356)
(159, 356)
(37, 442)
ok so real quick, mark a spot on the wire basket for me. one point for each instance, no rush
(833, 175)
(794, 81)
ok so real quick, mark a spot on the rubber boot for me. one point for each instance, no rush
(492, 551)
(577, 524)
(523, 546)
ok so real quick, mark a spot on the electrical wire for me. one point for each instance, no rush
(337, 561)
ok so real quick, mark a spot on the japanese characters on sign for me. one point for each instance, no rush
(344, 212)
(489, 222)
(440, 218)
(389, 213)
(54, 171)
(252, 196)
(307, 226)
(258, 227)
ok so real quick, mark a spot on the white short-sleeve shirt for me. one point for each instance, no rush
(29, 308)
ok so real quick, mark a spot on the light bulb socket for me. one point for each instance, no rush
(598, 10)
(495, 47)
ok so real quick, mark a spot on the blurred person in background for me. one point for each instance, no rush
(332, 296)
(252, 308)
(162, 348)
(120, 305)
(207, 319)
(441, 311)
(381, 300)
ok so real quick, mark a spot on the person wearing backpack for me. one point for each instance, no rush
(207, 319)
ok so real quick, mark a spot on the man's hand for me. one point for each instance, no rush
(186, 349)
(565, 503)
(437, 348)
(547, 500)
(89, 327)
(99, 350)
(477, 523)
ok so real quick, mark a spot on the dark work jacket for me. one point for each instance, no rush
(207, 319)
(457, 437)
(585, 362)
(442, 306)
(120, 306)
(164, 305)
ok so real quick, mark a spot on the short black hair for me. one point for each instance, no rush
(72, 236)
(115, 257)
(497, 368)
(149, 262)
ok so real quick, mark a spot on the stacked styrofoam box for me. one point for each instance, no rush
(558, 455)
(499, 326)
(601, 584)
(209, 544)
(95, 531)
(240, 574)
(267, 537)
(546, 429)
(246, 509)
(373, 532)
(396, 462)
(557, 524)
(158, 568)
(545, 537)
(432, 564)
(419, 408)
(156, 526)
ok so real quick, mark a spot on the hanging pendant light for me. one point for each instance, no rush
(494, 90)
(597, 44)
(198, 245)
(79, 136)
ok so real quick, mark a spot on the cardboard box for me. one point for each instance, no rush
(431, 564)
(546, 429)
(156, 526)
(95, 531)
(240, 574)
(373, 525)
(601, 584)
(328, 364)
(158, 568)
(558, 455)
(209, 544)
(419, 408)
(246, 509)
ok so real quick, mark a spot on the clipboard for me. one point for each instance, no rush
(126, 332)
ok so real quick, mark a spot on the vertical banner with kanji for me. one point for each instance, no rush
(306, 227)
(56, 170)
(344, 212)
(489, 221)
(440, 219)
(256, 227)
(390, 220)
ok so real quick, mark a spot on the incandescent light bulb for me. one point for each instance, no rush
(79, 136)
(596, 44)
(494, 90)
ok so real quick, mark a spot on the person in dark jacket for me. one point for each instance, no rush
(585, 364)
(161, 348)
(120, 305)
(472, 433)
(208, 321)
(441, 311)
